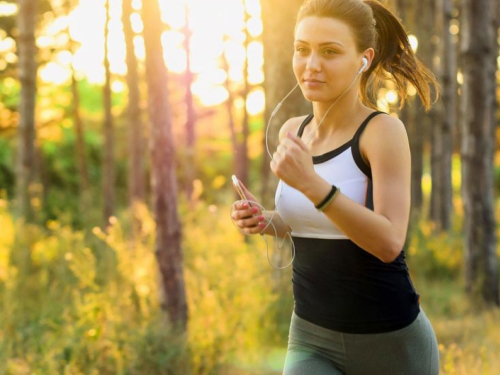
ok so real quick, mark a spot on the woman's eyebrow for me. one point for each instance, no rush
(321, 44)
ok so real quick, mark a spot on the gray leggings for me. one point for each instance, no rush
(314, 350)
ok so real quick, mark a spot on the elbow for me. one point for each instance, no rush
(391, 251)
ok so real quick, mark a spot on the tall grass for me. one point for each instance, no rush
(86, 302)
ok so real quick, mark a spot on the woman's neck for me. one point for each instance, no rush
(339, 118)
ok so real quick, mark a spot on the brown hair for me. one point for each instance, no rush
(375, 26)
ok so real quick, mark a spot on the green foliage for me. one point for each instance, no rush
(86, 302)
(6, 170)
(437, 255)
(76, 302)
(230, 295)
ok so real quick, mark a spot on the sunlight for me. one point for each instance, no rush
(7, 9)
(413, 42)
(55, 73)
(254, 26)
(253, 7)
(217, 29)
(256, 102)
(392, 96)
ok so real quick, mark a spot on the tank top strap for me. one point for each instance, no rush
(306, 121)
(356, 153)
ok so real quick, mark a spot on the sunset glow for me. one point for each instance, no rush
(214, 38)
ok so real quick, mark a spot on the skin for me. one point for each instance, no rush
(384, 145)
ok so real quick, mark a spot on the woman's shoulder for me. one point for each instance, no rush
(291, 125)
(383, 134)
(385, 125)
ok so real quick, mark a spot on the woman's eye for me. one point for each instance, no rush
(330, 52)
(301, 50)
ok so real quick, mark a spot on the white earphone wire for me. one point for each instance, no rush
(270, 220)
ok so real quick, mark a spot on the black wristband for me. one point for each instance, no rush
(327, 198)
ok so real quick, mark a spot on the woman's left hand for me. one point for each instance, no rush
(293, 163)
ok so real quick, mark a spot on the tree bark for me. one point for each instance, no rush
(108, 162)
(168, 228)
(81, 157)
(136, 174)
(26, 133)
(419, 128)
(278, 18)
(242, 162)
(190, 112)
(443, 118)
(477, 151)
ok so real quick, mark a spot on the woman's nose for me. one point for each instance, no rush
(313, 63)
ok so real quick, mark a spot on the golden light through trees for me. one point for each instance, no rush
(217, 29)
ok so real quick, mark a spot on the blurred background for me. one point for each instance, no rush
(121, 122)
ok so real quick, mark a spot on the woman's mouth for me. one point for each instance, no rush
(309, 82)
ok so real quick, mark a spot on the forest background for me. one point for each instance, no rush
(121, 122)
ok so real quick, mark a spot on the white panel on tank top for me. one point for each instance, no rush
(299, 212)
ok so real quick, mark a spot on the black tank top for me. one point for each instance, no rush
(339, 286)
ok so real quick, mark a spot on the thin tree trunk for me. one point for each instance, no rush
(26, 133)
(190, 112)
(279, 21)
(81, 157)
(108, 163)
(168, 228)
(229, 108)
(242, 162)
(136, 174)
(477, 149)
(80, 144)
(421, 124)
(449, 99)
(441, 142)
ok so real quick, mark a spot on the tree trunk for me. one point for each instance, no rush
(231, 121)
(108, 164)
(279, 21)
(80, 145)
(449, 99)
(477, 149)
(168, 228)
(420, 126)
(136, 175)
(190, 112)
(242, 162)
(81, 157)
(443, 118)
(26, 133)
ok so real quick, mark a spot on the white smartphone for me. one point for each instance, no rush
(238, 188)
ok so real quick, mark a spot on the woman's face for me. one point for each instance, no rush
(326, 60)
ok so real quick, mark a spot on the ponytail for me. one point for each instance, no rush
(394, 59)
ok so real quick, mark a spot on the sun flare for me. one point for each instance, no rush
(213, 39)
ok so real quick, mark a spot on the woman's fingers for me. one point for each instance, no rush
(252, 226)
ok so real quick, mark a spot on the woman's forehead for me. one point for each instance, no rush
(322, 30)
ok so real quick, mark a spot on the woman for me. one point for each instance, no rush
(347, 207)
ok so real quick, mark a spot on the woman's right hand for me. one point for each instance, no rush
(249, 218)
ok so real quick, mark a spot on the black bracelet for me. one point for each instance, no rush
(332, 192)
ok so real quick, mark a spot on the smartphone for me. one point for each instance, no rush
(238, 188)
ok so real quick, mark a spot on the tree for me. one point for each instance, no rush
(279, 17)
(443, 118)
(79, 127)
(168, 228)
(190, 111)
(108, 164)
(136, 175)
(26, 133)
(478, 50)
(418, 127)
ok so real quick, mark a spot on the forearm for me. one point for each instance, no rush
(277, 223)
(369, 230)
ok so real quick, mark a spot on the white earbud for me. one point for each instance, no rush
(365, 64)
